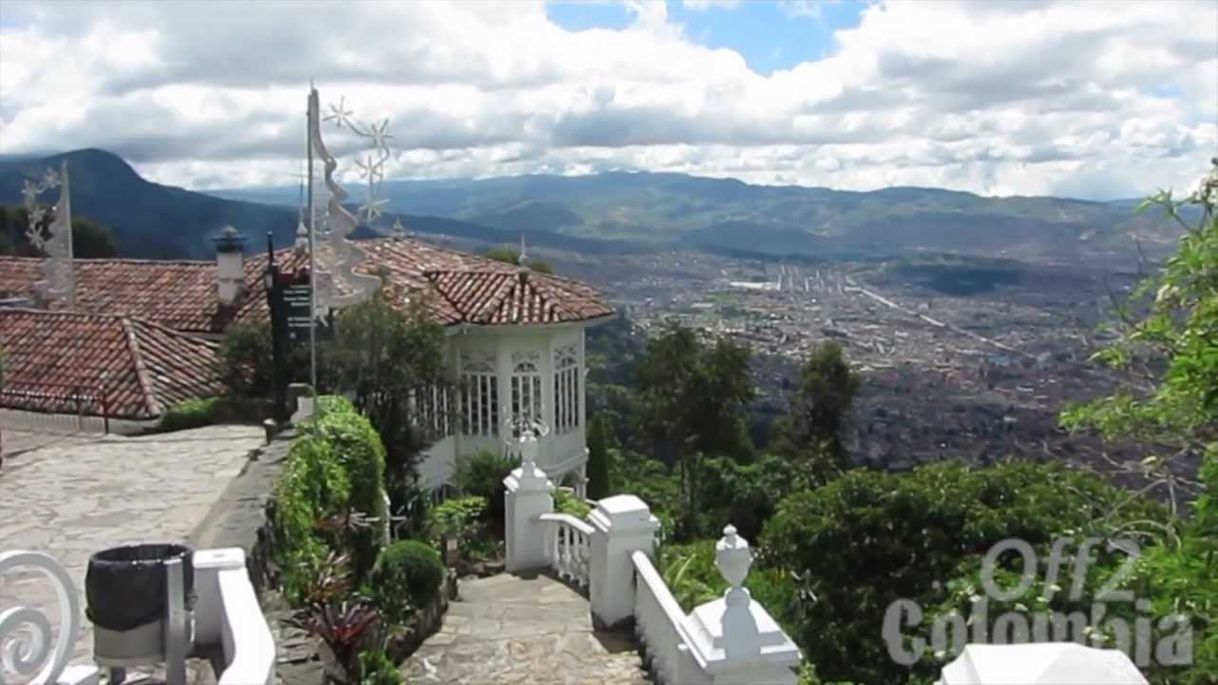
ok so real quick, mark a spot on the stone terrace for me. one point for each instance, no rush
(81, 494)
(523, 629)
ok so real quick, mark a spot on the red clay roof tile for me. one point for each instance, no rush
(100, 364)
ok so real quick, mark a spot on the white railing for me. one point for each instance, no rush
(659, 627)
(227, 614)
(568, 547)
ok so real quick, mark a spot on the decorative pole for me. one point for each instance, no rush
(312, 126)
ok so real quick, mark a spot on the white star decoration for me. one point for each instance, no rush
(372, 166)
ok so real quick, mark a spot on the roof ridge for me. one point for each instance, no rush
(141, 373)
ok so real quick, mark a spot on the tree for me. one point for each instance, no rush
(695, 397)
(818, 410)
(869, 538)
(89, 238)
(246, 365)
(392, 364)
(1170, 351)
(510, 255)
(599, 484)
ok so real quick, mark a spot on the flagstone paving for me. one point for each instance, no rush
(513, 629)
(73, 498)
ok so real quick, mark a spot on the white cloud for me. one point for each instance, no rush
(1002, 98)
(703, 5)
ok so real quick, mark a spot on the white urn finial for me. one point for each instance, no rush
(733, 559)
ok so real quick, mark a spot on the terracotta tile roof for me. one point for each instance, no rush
(100, 364)
(455, 287)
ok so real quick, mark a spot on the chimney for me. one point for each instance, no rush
(230, 266)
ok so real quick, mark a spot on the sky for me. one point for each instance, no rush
(1088, 99)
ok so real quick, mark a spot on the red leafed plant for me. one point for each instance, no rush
(346, 628)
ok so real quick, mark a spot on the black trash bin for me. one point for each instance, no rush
(125, 586)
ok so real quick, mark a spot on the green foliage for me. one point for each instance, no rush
(510, 255)
(745, 495)
(246, 364)
(376, 668)
(689, 571)
(380, 358)
(463, 519)
(89, 238)
(407, 576)
(312, 486)
(567, 503)
(191, 413)
(820, 407)
(1172, 351)
(868, 539)
(362, 456)
(695, 396)
(481, 474)
(599, 483)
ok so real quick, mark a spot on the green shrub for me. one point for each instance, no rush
(463, 519)
(567, 503)
(481, 475)
(407, 575)
(359, 450)
(376, 668)
(192, 413)
(455, 518)
(312, 487)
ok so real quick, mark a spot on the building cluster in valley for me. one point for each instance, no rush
(981, 376)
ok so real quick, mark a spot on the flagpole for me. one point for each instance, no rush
(312, 115)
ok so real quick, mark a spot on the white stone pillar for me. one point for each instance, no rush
(621, 524)
(529, 495)
(736, 637)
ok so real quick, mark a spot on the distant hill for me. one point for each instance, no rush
(150, 220)
(677, 210)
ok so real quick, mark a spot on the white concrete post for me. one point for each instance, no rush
(529, 495)
(621, 524)
(737, 638)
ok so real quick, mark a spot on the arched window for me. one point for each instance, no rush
(566, 388)
(526, 386)
(479, 395)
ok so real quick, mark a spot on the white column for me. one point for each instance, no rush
(736, 637)
(621, 524)
(529, 495)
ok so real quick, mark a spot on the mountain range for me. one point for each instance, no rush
(624, 211)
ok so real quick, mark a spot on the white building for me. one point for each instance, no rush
(516, 337)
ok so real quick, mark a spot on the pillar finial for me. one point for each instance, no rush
(733, 558)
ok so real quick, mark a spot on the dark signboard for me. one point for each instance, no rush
(297, 304)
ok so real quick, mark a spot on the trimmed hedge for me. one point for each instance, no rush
(407, 576)
(192, 413)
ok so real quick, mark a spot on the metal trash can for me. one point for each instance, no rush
(128, 601)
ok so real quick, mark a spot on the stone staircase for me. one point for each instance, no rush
(523, 629)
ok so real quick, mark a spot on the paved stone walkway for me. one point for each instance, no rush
(512, 629)
(71, 499)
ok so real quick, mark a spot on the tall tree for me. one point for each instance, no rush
(819, 408)
(599, 485)
(1171, 403)
(695, 396)
(392, 365)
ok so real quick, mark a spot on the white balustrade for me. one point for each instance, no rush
(569, 547)
(227, 614)
(659, 626)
